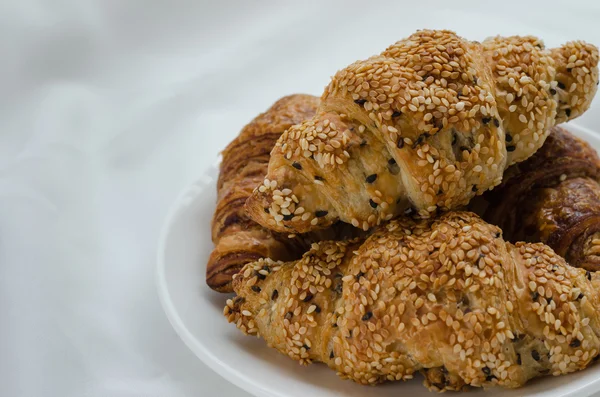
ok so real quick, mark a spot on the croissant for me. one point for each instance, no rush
(238, 240)
(553, 198)
(446, 296)
(425, 126)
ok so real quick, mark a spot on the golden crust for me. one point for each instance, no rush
(447, 297)
(420, 128)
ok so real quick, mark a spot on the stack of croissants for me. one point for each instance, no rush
(425, 215)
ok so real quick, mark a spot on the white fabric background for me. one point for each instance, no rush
(109, 108)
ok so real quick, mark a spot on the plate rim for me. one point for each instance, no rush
(213, 362)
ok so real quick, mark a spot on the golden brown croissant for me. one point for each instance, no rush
(567, 218)
(238, 240)
(554, 198)
(446, 296)
(425, 126)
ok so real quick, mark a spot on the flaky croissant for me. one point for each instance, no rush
(446, 296)
(238, 240)
(567, 218)
(554, 198)
(425, 126)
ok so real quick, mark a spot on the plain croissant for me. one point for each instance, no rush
(553, 197)
(425, 126)
(446, 296)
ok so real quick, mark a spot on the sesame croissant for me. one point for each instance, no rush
(447, 297)
(554, 198)
(425, 126)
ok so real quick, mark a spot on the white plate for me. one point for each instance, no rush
(196, 314)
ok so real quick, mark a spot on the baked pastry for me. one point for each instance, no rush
(447, 297)
(553, 198)
(238, 240)
(425, 126)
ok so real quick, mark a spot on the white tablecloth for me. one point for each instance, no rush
(108, 108)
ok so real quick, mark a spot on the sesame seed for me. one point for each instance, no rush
(371, 178)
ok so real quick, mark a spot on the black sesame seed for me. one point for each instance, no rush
(519, 362)
(486, 370)
(535, 355)
(371, 178)
(372, 203)
(496, 122)
(360, 101)
(289, 315)
(561, 85)
(275, 294)
(510, 148)
(331, 355)
(239, 300)
(396, 114)
(305, 346)
(474, 188)
(393, 167)
(568, 112)
(535, 295)
(256, 288)
(321, 213)
(508, 137)
(588, 275)
(580, 296)
(297, 165)
(266, 210)
(317, 309)
(260, 276)
(486, 120)
(367, 316)
(400, 143)
(308, 298)
(569, 70)
(575, 343)
(419, 140)
(288, 217)
(359, 275)
(552, 91)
